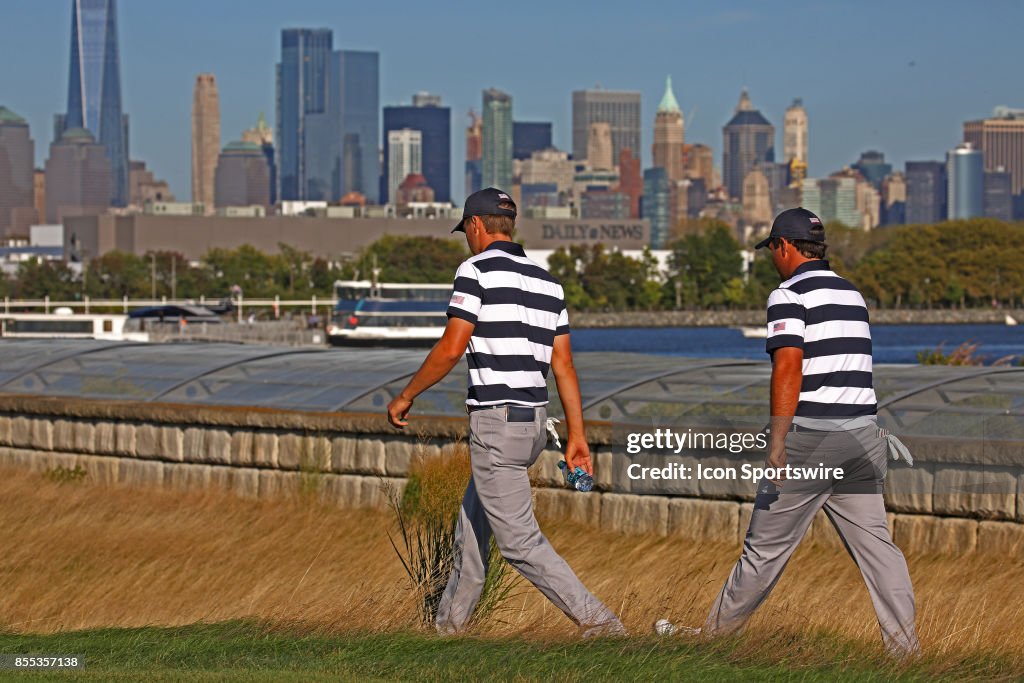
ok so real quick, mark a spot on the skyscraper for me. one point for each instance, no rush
(833, 199)
(655, 206)
(405, 158)
(94, 87)
(17, 176)
(757, 204)
(965, 178)
(205, 139)
(529, 137)
(700, 163)
(79, 178)
(434, 122)
(667, 152)
(893, 199)
(926, 192)
(749, 140)
(262, 135)
(794, 133)
(303, 75)
(474, 153)
(497, 140)
(327, 118)
(355, 83)
(631, 182)
(998, 195)
(619, 109)
(872, 166)
(243, 176)
(1001, 141)
(599, 146)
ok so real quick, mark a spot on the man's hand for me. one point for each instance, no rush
(577, 454)
(398, 409)
(777, 460)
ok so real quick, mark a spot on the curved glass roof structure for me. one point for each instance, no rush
(925, 400)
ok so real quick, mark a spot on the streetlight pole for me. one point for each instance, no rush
(152, 276)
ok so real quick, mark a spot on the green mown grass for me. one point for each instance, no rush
(249, 651)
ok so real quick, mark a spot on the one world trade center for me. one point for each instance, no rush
(94, 87)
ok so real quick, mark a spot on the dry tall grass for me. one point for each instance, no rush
(79, 555)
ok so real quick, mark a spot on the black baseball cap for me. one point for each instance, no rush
(485, 203)
(795, 224)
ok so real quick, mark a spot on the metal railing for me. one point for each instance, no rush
(124, 304)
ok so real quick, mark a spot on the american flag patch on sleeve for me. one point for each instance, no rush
(779, 327)
(458, 298)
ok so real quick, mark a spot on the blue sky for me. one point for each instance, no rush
(900, 77)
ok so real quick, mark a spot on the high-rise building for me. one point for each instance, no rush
(669, 135)
(794, 134)
(17, 176)
(599, 146)
(549, 167)
(1001, 142)
(474, 153)
(965, 176)
(700, 163)
(39, 188)
(529, 137)
(243, 176)
(833, 199)
(356, 97)
(261, 134)
(999, 195)
(926, 192)
(604, 204)
(79, 177)
(145, 187)
(749, 140)
(405, 158)
(94, 87)
(894, 199)
(327, 118)
(497, 140)
(303, 77)
(757, 203)
(656, 207)
(631, 182)
(619, 109)
(434, 122)
(872, 166)
(205, 139)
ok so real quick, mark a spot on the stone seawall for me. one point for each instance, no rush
(885, 316)
(347, 459)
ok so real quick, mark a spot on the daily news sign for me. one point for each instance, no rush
(551, 234)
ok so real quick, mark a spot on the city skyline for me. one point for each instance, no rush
(889, 84)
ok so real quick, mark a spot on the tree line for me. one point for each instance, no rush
(969, 263)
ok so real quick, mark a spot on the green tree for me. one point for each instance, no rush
(411, 259)
(704, 265)
(36, 279)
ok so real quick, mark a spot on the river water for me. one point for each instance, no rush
(891, 343)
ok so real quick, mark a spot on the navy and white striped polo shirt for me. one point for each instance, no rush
(824, 314)
(517, 308)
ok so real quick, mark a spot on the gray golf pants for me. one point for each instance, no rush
(498, 501)
(781, 519)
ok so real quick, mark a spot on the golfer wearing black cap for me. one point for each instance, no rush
(823, 411)
(511, 314)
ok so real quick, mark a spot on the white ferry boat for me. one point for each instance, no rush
(63, 324)
(388, 314)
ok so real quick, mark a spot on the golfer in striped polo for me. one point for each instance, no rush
(511, 314)
(823, 411)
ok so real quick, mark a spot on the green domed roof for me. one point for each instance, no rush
(668, 100)
(77, 134)
(239, 146)
(8, 116)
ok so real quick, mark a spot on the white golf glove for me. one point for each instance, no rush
(897, 449)
(552, 421)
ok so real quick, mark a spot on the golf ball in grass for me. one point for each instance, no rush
(664, 627)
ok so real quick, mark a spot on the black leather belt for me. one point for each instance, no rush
(513, 413)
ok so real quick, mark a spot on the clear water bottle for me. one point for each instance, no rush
(577, 478)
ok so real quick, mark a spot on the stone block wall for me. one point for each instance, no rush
(346, 460)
